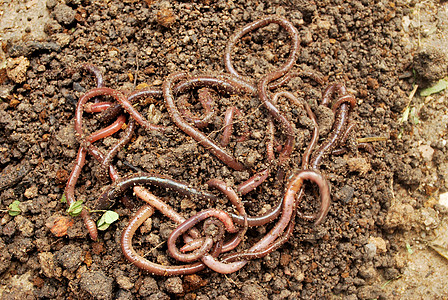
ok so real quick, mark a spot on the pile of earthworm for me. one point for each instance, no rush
(210, 237)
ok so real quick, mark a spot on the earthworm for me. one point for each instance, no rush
(96, 107)
(270, 141)
(107, 131)
(80, 161)
(247, 255)
(155, 269)
(292, 31)
(228, 127)
(120, 98)
(344, 99)
(254, 221)
(289, 204)
(164, 208)
(90, 225)
(188, 225)
(70, 192)
(116, 109)
(288, 76)
(253, 182)
(314, 139)
(235, 200)
(202, 139)
(111, 113)
(96, 72)
(206, 99)
(348, 130)
(272, 240)
(262, 85)
(104, 166)
(339, 125)
(214, 230)
(223, 83)
(208, 259)
(121, 185)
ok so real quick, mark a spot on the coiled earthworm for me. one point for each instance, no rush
(262, 85)
(188, 225)
(208, 259)
(206, 99)
(235, 200)
(202, 139)
(292, 31)
(155, 269)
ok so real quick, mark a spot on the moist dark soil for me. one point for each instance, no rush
(136, 44)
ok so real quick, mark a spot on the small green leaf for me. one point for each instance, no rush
(110, 216)
(408, 247)
(63, 199)
(75, 208)
(103, 226)
(106, 219)
(438, 87)
(14, 209)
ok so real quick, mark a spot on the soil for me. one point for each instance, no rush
(388, 207)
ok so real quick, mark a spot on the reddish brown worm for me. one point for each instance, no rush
(248, 185)
(228, 127)
(90, 224)
(288, 76)
(289, 205)
(80, 161)
(70, 192)
(124, 140)
(155, 269)
(344, 102)
(262, 85)
(96, 72)
(96, 107)
(206, 99)
(292, 31)
(208, 259)
(246, 255)
(274, 239)
(202, 139)
(314, 139)
(235, 200)
(188, 225)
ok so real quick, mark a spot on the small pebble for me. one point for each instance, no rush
(64, 14)
(124, 282)
(173, 285)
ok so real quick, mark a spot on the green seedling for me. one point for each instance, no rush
(75, 208)
(14, 209)
(408, 247)
(106, 219)
(63, 199)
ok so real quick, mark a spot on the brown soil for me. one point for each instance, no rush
(381, 202)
